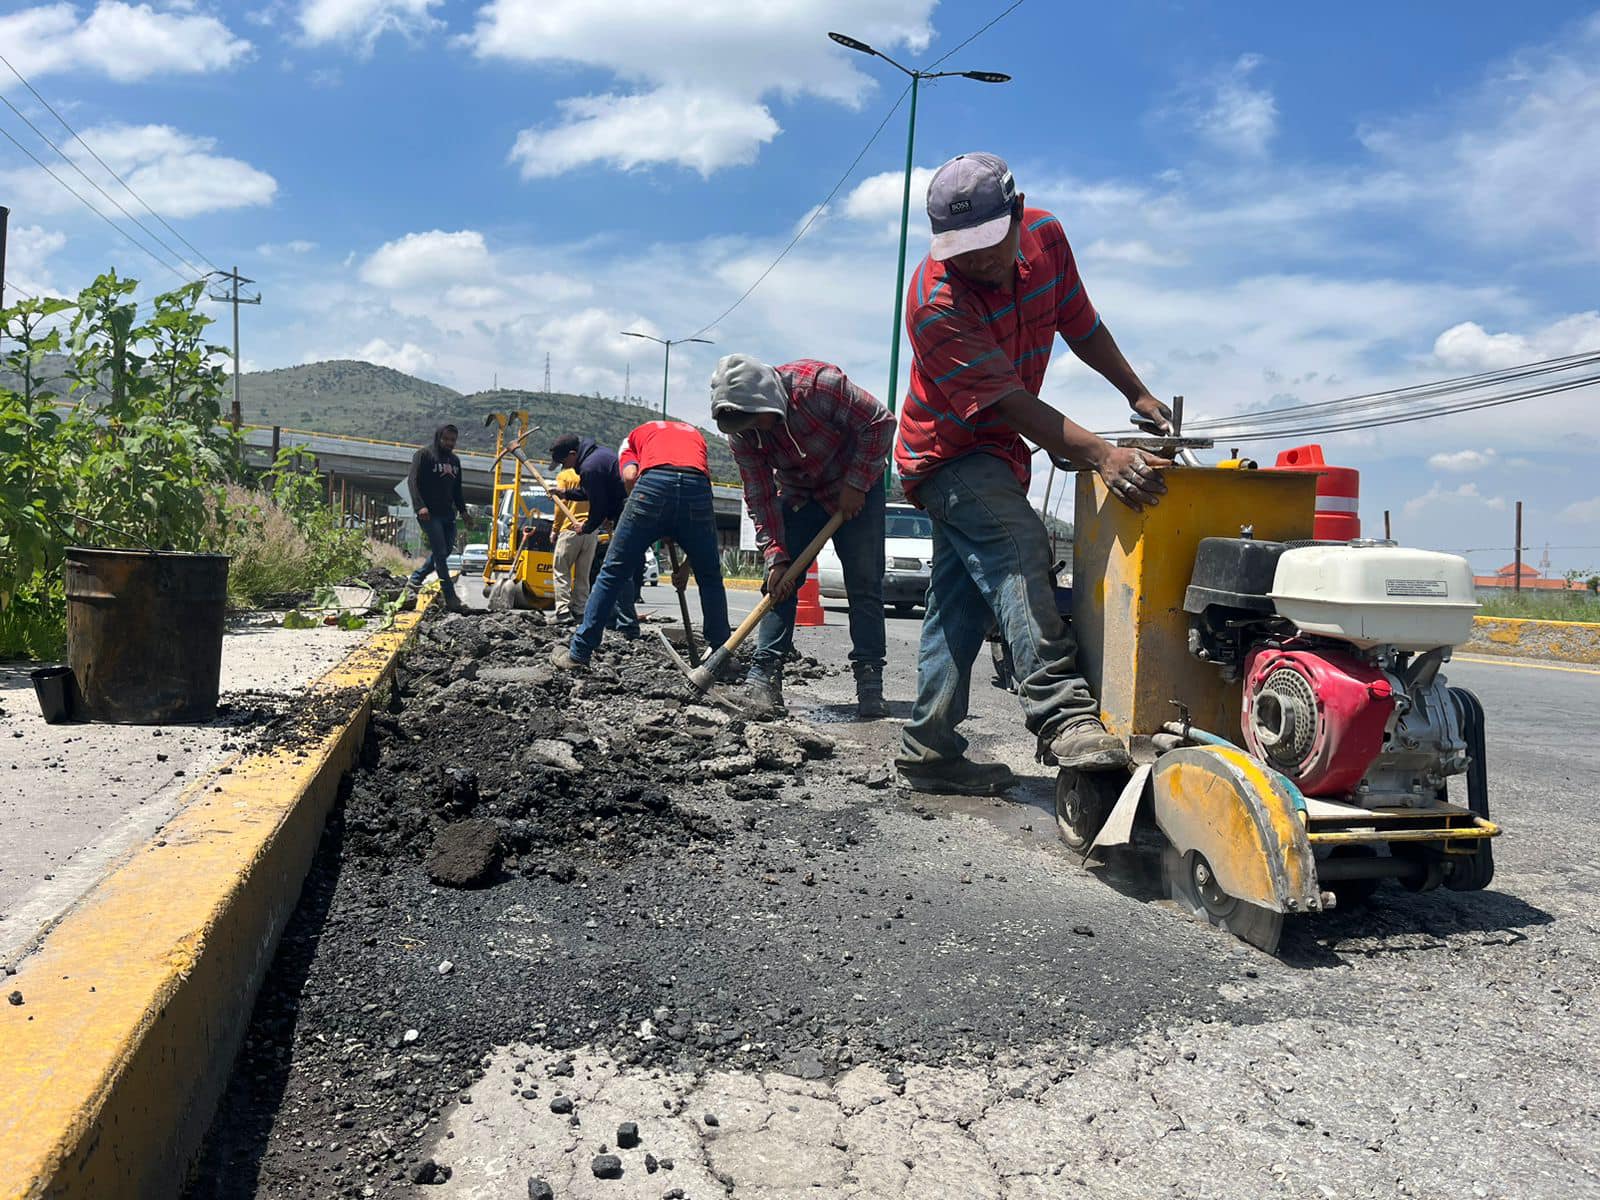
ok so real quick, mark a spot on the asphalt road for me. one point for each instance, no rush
(860, 992)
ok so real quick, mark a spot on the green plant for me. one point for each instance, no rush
(134, 453)
(742, 564)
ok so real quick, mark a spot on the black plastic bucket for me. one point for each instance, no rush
(53, 687)
(144, 634)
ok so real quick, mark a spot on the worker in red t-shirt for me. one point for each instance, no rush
(666, 472)
(983, 311)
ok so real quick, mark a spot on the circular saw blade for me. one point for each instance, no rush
(1260, 927)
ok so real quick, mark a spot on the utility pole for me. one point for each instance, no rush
(235, 279)
(1517, 584)
(627, 369)
(547, 375)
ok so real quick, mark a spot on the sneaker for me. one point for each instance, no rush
(869, 694)
(1084, 745)
(956, 777)
(561, 656)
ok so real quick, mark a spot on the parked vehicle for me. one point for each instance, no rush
(907, 560)
(475, 558)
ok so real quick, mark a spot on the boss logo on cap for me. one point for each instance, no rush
(959, 207)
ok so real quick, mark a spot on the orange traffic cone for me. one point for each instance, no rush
(808, 601)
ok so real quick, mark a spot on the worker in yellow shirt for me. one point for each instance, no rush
(574, 551)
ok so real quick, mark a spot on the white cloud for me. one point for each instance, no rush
(1518, 160)
(877, 197)
(1136, 253)
(698, 72)
(363, 22)
(407, 357)
(1233, 114)
(1462, 460)
(127, 42)
(1463, 499)
(1583, 512)
(28, 248)
(175, 172)
(275, 250)
(1469, 346)
(697, 129)
(428, 259)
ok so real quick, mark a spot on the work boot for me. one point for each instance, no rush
(762, 695)
(1084, 745)
(869, 692)
(452, 603)
(955, 776)
(561, 656)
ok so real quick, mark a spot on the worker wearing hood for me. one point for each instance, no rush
(809, 443)
(434, 483)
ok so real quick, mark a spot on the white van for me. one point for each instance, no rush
(907, 560)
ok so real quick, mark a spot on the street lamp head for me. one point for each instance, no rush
(850, 43)
(707, 341)
(986, 76)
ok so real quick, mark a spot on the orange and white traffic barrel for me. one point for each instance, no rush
(1338, 493)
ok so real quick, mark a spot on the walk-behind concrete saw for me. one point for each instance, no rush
(1282, 698)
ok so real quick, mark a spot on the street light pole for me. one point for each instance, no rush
(916, 77)
(666, 366)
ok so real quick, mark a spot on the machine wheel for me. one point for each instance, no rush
(1084, 799)
(1472, 873)
(1191, 885)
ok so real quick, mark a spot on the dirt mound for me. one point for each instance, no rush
(568, 767)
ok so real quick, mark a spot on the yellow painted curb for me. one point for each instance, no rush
(1521, 637)
(134, 1005)
(742, 585)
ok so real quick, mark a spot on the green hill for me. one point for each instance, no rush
(361, 399)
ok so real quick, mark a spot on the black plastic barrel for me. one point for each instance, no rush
(144, 634)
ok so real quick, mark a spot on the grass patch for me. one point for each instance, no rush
(1544, 608)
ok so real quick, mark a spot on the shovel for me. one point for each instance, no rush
(683, 605)
(704, 676)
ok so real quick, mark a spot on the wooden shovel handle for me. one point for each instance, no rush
(516, 449)
(796, 569)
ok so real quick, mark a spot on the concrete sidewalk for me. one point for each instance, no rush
(74, 797)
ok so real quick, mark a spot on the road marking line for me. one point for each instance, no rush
(1532, 666)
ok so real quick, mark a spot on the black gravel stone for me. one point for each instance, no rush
(627, 1135)
(606, 1166)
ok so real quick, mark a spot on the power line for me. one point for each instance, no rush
(126, 185)
(46, 169)
(811, 220)
(156, 237)
(962, 46)
(1377, 401)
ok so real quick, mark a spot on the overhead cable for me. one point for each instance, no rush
(46, 169)
(107, 167)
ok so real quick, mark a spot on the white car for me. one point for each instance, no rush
(475, 558)
(907, 560)
(652, 569)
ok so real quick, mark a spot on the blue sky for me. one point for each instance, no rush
(1270, 203)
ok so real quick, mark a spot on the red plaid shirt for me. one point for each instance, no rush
(972, 346)
(835, 434)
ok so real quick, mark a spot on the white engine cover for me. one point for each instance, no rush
(1377, 595)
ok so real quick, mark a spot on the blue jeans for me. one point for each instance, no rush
(665, 503)
(859, 544)
(991, 555)
(441, 535)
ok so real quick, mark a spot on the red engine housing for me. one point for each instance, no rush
(1316, 715)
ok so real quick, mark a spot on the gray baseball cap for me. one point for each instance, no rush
(969, 204)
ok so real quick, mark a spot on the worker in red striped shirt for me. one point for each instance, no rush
(668, 476)
(809, 443)
(983, 311)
